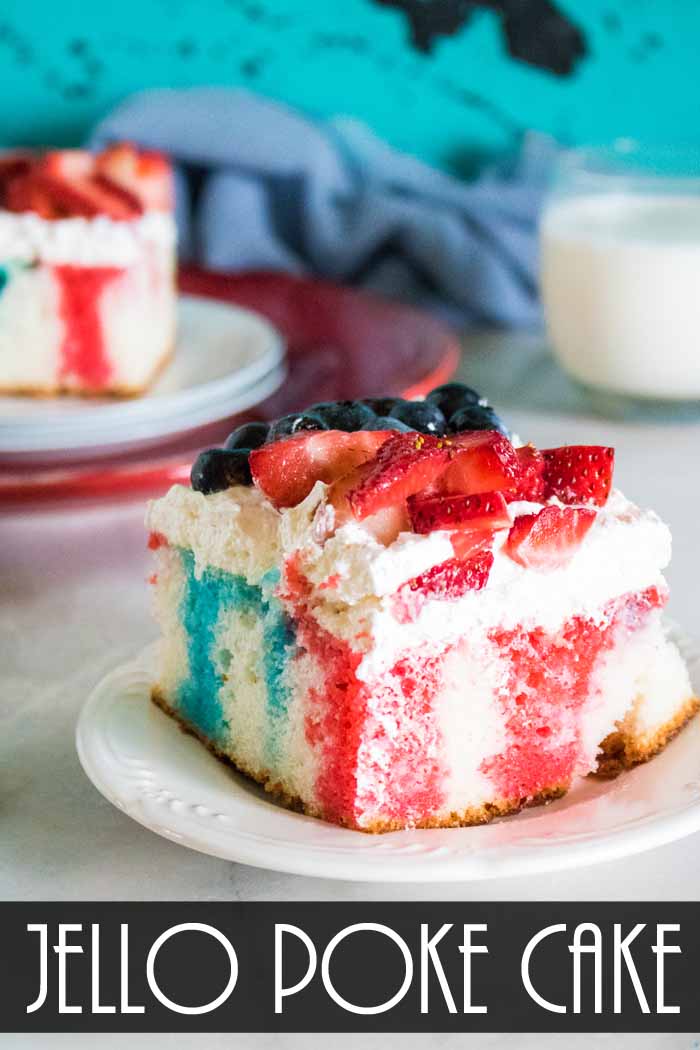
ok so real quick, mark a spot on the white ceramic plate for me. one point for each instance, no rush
(225, 360)
(140, 760)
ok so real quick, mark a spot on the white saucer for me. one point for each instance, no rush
(140, 760)
(226, 359)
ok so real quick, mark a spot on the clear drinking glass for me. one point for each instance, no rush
(620, 275)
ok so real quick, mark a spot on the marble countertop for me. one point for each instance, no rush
(73, 604)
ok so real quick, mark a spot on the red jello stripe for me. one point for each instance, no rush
(404, 774)
(346, 723)
(548, 683)
(83, 353)
(335, 711)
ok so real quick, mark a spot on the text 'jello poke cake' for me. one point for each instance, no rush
(87, 263)
(391, 616)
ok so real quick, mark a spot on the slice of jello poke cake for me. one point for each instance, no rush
(392, 617)
(87, 269)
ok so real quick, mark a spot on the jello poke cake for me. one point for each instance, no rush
(87, 263)
(393, 616)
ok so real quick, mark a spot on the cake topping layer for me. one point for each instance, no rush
(448, 409)
(398, 529)
(121, 182)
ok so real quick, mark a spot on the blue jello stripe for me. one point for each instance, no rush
(204, 602)
(279, 643)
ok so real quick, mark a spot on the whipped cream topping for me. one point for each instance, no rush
(236, 530)
(26, 237)
(356, 578)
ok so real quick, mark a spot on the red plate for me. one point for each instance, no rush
(341, 343)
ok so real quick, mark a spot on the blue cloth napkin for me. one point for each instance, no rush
(261, 186)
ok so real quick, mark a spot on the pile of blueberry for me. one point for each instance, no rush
(446, 410)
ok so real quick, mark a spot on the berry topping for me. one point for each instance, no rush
(420, 415)
(74, 188)
(486, 510)
(530, 484)
(218, 469)
(287, 470)
(465, 543)
(67, 163)
(579, 473)
(404, 465)
(248, 436)
(343, 415)
(452, 396)
(549, 539)
(388, 423)
(120, 182)
(12, 164)
(381, 406)
(27, 194)
(447, 581)
(480, 461)
(144, 173)
(477, 417)
(294, 423)
(385, 525)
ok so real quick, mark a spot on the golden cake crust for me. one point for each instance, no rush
(623, 750)
(468, 818)
(620, 751)
(117, 393)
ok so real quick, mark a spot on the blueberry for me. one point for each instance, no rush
(420, 415)
(295, 422)
(219, 468)
(344, 415)
(249, 435)
(388, 423)
(477, 417)
(452, 396)
(381, 406)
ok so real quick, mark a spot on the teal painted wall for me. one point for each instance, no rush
(63, 65)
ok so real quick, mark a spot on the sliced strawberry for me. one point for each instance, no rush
(405, 464)
(25, 193)
(12, 166)
(71, 180)
(455, 577)
(485, 510)
(464, 544)
(67, 163)
(145, 173)
(287, 470)
(447, 581)
(480, 461)
(579, 473)
(548, 540)
(385, 525)
(530, 485)
(85, 197)
(130, 200)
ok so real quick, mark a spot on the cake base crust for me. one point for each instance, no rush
(117, 393)
(620, 752)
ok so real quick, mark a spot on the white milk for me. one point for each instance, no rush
(621, 291)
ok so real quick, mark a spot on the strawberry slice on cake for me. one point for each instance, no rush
(393, 621)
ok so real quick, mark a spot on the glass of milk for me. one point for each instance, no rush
(620, 275)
